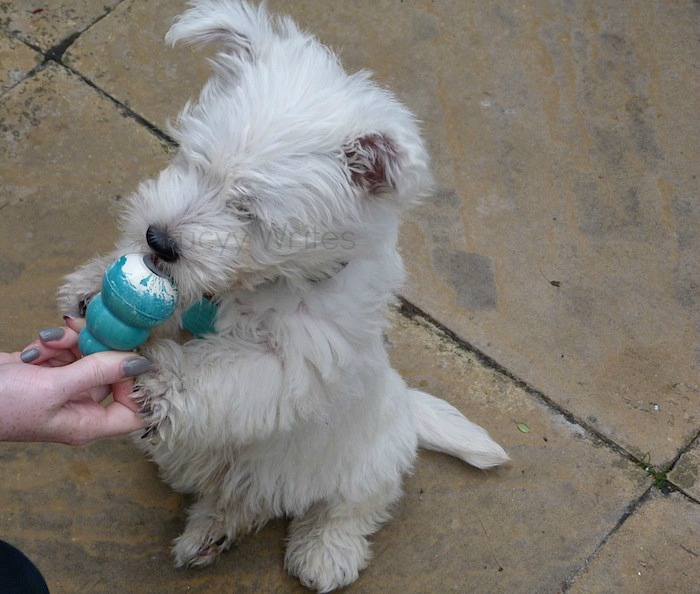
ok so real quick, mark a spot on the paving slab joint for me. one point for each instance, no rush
(629, 511)
(125, 110)
(660, 477)
(658, 474)
(410, 311)
(55, 53)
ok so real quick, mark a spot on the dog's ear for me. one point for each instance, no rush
(373, 163)
(239, 27)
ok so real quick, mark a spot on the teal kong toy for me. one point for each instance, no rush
(135, 297)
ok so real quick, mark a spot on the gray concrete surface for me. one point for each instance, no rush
(554, 285)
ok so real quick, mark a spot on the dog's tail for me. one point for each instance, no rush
(441, 427)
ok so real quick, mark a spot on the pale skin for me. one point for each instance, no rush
(62, 397)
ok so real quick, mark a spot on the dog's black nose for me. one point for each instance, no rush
(162, 244)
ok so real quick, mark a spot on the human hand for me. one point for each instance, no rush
(58, 397)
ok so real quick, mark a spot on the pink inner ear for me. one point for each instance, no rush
(370, 160)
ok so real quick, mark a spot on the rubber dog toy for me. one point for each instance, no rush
(199, 318)
(136, 296)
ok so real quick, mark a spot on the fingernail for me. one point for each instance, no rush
(49, 334)
(67, 317)
(30, 355)
(136, 366)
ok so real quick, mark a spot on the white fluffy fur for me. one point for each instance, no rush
(284, 203)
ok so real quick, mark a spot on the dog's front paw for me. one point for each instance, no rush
(80, 286)
(73, 298)
(158, 390)
(325, 560)
(151, 393)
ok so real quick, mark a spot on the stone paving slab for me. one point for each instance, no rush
(46, 25)
(652, 552)
(16, 60)
(686, 473)
(98, 519)
(518, 519)
(126, 56)
(67, 158)
(562, 242)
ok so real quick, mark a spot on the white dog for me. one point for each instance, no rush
(283, 205)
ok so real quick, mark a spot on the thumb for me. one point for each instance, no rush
(100, 369)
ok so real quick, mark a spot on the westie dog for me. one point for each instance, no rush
(282, 206)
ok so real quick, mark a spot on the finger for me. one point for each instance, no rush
(124, 394)
(58, 338)
(37, 353)
(6, 358)
(60, 359)
(99, 393)
(118, 420)
(100, 369)
(55, 347)
(75, 324)
(88, 422)
(65, 337)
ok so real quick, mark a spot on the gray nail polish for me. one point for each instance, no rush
(136, 366)
(49, 334)
(30, 355)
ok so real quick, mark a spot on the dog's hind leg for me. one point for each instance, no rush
(211, 529)
(328, 545)
(206, 535)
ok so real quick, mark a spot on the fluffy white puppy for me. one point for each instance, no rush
(283, 205)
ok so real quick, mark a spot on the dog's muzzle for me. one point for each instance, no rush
(162, 244)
